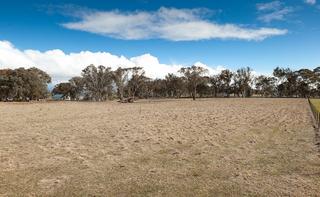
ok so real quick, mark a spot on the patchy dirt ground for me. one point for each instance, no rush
(247, 147)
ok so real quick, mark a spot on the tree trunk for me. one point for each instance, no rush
(121, 94)
(194, 94)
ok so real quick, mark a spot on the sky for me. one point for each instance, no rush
(63, 37)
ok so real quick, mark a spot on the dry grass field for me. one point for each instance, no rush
(210, 147)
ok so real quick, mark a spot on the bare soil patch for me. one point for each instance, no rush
(208, 147)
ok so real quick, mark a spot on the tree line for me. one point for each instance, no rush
(127, 84)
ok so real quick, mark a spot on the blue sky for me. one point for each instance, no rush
(229, 33)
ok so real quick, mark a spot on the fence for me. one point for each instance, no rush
(316, 113)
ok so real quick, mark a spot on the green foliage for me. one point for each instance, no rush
(97, 82)
(225, 78)
(194, 77)
(120, 77)
(23, 84)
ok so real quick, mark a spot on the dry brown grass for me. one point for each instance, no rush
(252, 147)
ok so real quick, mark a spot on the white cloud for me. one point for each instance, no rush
(62, 66)
(274, 5)
(311, 2)
(165, 23)
(276, 15)
(273, 11)
(211, 71)
(153, 67)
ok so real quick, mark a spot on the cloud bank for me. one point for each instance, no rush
(165, 23)
(62, 66)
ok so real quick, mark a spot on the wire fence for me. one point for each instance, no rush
(315, 112)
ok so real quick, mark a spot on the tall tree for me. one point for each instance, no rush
(120, 77)
(305, 82)
(244, 78)
(225, 78)
(137, 82)
(77, 87)
(24, 84)
(157, 88)
(215, 84)
(194, 76)
(97, 82)
(175, 85)
(265, 86)
(287, 81)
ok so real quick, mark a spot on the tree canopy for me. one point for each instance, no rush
(23, 84)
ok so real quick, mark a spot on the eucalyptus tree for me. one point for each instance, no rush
(24, 84)
(35, 81)
(204, 89)
(97, 82)
(175, 85)
(225, 78)
(286, 81)
(244, 78)
(215, 84)
(77, 88)
(6, 84)
(194, 76)
(120, 77)
(64, 89)
(265, 85)
(73, 89)
(316, 83)
(157, 88)
(306, 82)
(137, 82)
